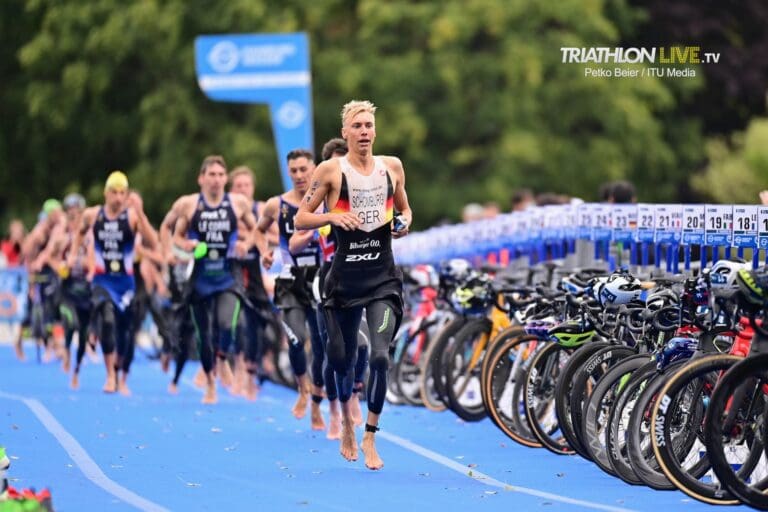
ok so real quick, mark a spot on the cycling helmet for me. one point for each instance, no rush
(571, 333)
(594, 286)
(753, 285)
(455, 269)
(619, 289)
(73, 200)
(723, 273)
(539, 327)
(657, 299)
(473, 296)
(423, 276)
(676, 349)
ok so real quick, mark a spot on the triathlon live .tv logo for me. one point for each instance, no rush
(673, 61)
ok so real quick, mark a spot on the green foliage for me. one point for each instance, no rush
(738, 168)
(473, 97)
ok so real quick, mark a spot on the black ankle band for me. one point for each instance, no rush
(317, 398)
(371, 428)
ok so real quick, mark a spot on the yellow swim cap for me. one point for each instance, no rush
(116, 181)
(324, 230)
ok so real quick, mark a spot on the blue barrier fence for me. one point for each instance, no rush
(670, 230)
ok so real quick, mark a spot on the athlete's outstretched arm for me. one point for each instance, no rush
(186, 209)
(89, 216)
(166, 229)
(319, 191)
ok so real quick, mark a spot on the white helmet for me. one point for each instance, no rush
(619, 289)
(455, 269)
(724, 272)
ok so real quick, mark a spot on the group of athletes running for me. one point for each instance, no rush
(98, 270)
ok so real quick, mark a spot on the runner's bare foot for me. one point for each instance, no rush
(317, 417)
(300, 408)
(110, 386)
(251, 389)
(122, 386)
(75, 382)
(348, 442)
(199, 379)
(173, 389)
(225, 373)
(19, 350)
(165, 362)
(334, 426)
(354, 405)
(371, 456)
(65, 364)
(210, 391)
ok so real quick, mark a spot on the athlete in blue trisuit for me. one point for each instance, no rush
(212, 217)
(259, 312)
(74, 300)
(293, 293)
(181, 330)
(114, 226)
(44, 282)
(334, 148)
(360, 190)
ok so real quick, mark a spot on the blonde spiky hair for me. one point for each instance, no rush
(354, 107)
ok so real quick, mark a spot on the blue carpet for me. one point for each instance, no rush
(180, 455)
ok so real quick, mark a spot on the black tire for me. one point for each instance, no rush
(563, 393)
(505, 403)
(588, 374)
(618, 422)
(431, 389)
(596, 422)
(640, 449)
(511, 332)
(539, 392)
(463, 384)
(677, 421)
(751, 374)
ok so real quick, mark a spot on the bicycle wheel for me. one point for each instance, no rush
(463, 370)
(511, 332)
(431, 385)
(677, 425)
(505, 403)
(618, 422)
(586, 377)
(738, 409)
(640, 450)
(596, 421)
(539, 391)
(563, 391)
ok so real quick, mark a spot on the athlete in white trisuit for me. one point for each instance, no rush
(360, 191)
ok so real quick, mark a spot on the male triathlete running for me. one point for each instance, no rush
(293, 294)
(43, 279)
(211, 217)
(360, 189)
(75, 298)
(334, 148)
(259, 310)
(114, 226)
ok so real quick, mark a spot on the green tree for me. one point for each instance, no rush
(473, 97)
(738, 166)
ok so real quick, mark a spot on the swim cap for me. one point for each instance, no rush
(74, 200)
(50, 205)
(116, 181)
